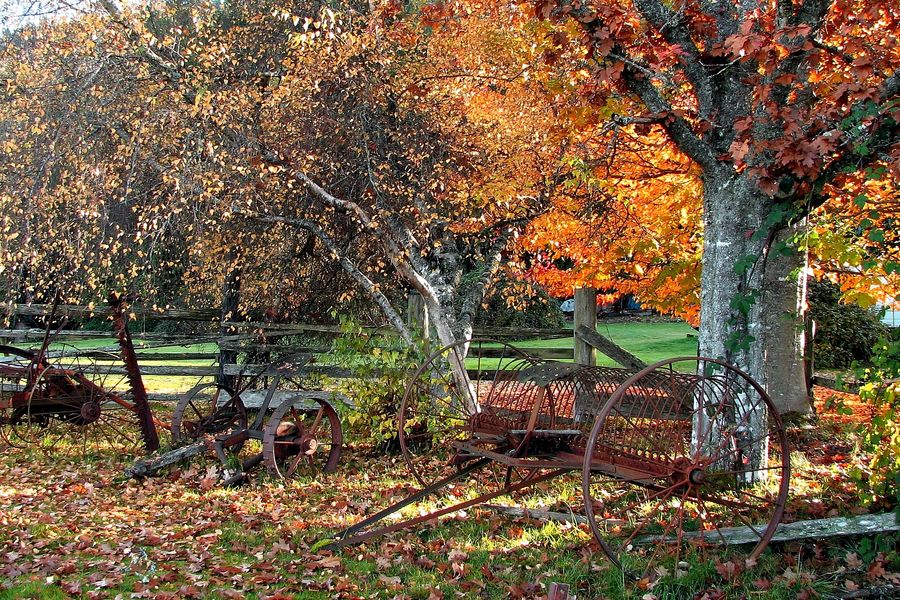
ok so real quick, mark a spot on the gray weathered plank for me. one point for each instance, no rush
(302, 399)
(149, 466)
(610, 349)
(800, 530)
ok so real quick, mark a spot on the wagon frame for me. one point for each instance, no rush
(669, 455)
(302, 434)
(43, 400)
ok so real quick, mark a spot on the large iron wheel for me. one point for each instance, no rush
(440, 406)
(302, 440)
(200, 413)
(682, 450)
(78, 404)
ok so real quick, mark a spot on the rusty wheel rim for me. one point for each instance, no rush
(18, 374)
(197, 415)
(300, 441)
(687, 420)
(436, 410)
(90, 409)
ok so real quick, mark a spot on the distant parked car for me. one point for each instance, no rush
(568, 307)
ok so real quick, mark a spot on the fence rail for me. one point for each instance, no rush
(252, 340)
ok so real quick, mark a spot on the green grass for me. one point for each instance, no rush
(32, 590)
(650, 341)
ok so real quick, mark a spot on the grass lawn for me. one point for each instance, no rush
(649, 341)
(78, 529)
(72, 526)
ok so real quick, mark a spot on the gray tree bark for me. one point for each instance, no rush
(770, 335)
(781, 333)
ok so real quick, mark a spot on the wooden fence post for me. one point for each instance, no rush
(417, 315)
(231, 294)
(585, 314)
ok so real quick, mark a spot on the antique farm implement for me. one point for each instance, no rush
(75, 399)
(301, 436)
(669, 456)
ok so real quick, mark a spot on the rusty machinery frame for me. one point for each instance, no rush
(301, 436)
(670, 456)
(44, 400)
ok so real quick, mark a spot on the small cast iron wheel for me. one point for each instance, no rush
(198, 414)
(442, 401)
(681, 450)
(302, 440)
(82, 404)
(18, 374)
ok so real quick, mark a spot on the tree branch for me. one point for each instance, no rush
(677, 127)
(367, 284)
(812, 13)
(671, 26)
(344, 205)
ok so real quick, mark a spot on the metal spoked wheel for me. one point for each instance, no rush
(682, 450)
(302, 439)
(81, 404)
(441, 402)
(207, 409)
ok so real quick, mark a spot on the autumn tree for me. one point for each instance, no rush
(778, 104)
(441, 161)
(110, 178)
(291, 130)
(644, 240)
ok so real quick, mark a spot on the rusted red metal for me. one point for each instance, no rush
(300, 436)
(141, 402)
(664, 449)
(42, 402)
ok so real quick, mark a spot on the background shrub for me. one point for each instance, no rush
(844, 332)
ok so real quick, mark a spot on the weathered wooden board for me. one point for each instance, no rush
(735, 536)
(84, 334)
(610, 349)
(303, 399)
(69, 310)
(801, 530)
(546, 515)
(149, 466)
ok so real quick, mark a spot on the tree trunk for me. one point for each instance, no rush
(730, 322)
(231, 294)
(733, 212)
(772, 327)
(782, 335)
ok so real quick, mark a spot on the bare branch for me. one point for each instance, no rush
(367, 284)
(333, 201)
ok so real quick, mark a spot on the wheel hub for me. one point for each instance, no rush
(90, 412)
(308, 444)
(688, 472)
(300, 444)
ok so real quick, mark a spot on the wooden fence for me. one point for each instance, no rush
(256, 342)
